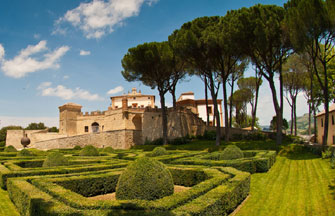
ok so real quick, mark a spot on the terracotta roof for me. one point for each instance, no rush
(187, 93)
(331, 109)
(71, 104)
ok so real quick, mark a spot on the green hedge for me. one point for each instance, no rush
(46, 196)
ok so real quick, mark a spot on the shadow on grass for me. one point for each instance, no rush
(332, 189)
(296, 152)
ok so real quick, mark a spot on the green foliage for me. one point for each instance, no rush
(180, 140)
(24, 153)
(158, 151)
(55, 159)
(2, 144)
(208, 135)
(89, 151)
(273, 124)
(36, 126)
(10, 149)
(77, 147)
(144, 179)
(231, 152)
(53, 130)
(108, 149)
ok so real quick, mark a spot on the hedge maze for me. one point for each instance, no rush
(212, 186)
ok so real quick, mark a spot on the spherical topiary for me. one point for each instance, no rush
(231, 152)
(89, 151)
(144, 179)
(77, 147)
(24, 153)
(108, 149)
(158, 151)
(10, 149)
(55, 159)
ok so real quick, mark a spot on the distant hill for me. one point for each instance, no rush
(302, 124)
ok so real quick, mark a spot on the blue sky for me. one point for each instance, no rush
(58, 51)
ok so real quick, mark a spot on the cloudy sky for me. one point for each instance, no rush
(58, 51)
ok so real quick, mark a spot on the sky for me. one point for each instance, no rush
(58, 51)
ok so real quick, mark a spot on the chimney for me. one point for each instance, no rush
(124, 103)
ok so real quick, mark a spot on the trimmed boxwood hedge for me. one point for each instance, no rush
(226, 185)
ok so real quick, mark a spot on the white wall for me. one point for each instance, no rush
(140, 100)
(202, 112)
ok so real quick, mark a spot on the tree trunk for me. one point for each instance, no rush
(326, 105)
(253, 121)
(231, 104)
(206, 100)
(295, 114)
(173, 93)
(278, 113)
(292, 118)
(309, 120)
(216, 112)
(164, 117)
(225, 104)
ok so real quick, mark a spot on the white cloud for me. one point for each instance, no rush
(67, 93)
(25, 121)
(66, 77)
(115, 90)
(99, 17)
(24, 63)
(84, 53)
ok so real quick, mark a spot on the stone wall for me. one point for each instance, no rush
(14, 137)
(120, 139)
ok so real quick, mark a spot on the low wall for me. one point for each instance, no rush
(120, 139)
(14, 137)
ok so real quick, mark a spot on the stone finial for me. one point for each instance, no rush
(25, 141)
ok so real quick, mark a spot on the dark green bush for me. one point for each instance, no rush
(89, 151)
(2, 144)
(158, 151)
(144, 179)
(55, 159)
(327, 153)
(231, 152)
(108, 149)
(180, 140)
(10, 149)
(25, 153)
(77, 147)
(158, 141)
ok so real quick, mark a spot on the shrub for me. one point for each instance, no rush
(144, 179)
(2, 144)
(180, 140)
(55, 159)
(10, 149)
(231, 152)
(327, 153)
(158, 151)
(158, 141)
(24, 153)
(108, 149)
(89, 151)
(77, 147)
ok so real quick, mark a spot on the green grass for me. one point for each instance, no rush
(6, 206)
(298, 184)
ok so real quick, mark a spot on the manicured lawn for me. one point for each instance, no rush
(299, 184)
(6, 206)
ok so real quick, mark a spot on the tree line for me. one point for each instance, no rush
(281, 43)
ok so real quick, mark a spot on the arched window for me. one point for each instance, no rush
(95, 127)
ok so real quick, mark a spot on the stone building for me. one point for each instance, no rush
(320, 119)
(130, 122)
(198, 107)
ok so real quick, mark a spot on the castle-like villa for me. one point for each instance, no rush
(130, 120)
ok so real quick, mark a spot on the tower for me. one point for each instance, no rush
(68, 118)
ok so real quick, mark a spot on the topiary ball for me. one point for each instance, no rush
(25, 153)
(158, 151)
(89, 151)
(108, 149)
(77, 147)
(144, 179)
(231, 152)
(10, 149)
(55, 159)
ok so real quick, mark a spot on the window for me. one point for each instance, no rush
(333, 120)
(149, 98)
(116, 107)
(102, 128)
(86, 129)
(142, 106)
(134, 105)
(333, 139)
(322, 122)
(134, 98)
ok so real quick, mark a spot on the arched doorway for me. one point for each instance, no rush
(137, 121)
(95, 127)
